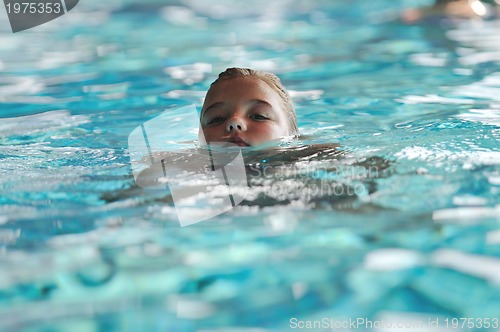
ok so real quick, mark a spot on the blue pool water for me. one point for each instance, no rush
(82, 248)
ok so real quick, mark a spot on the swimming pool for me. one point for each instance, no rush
(83, 249)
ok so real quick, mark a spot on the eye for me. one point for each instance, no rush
(259, 117)
(215, 120)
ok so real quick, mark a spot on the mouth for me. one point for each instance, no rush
(237, 141)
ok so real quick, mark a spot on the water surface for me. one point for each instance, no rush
(83, 248)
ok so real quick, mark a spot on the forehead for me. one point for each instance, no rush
(239, 89)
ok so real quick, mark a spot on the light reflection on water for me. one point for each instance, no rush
(82, 246)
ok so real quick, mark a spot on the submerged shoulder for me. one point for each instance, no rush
(299, 153)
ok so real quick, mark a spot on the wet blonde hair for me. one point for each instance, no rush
(273, 81)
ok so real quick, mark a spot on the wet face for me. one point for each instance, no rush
(245, 111)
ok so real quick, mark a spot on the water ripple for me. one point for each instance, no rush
(47, 121)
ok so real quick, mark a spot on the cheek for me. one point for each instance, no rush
(267, 131)
(213, 133)
(208, 132)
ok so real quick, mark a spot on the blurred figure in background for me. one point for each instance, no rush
(462, 9)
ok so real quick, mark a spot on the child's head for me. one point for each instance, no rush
(247, 107)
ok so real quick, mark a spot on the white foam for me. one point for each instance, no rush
(391, 259)
(469, 200)
(412, 99)
(485, 116)
(466, 157)
(485, 267)
(50, 120)
(466, 213)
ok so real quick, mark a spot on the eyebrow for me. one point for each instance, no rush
(220, 103)
(211, 107)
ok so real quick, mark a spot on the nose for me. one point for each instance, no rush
(235, 124)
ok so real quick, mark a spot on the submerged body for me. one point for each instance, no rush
(310, 176)
(250, 112)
